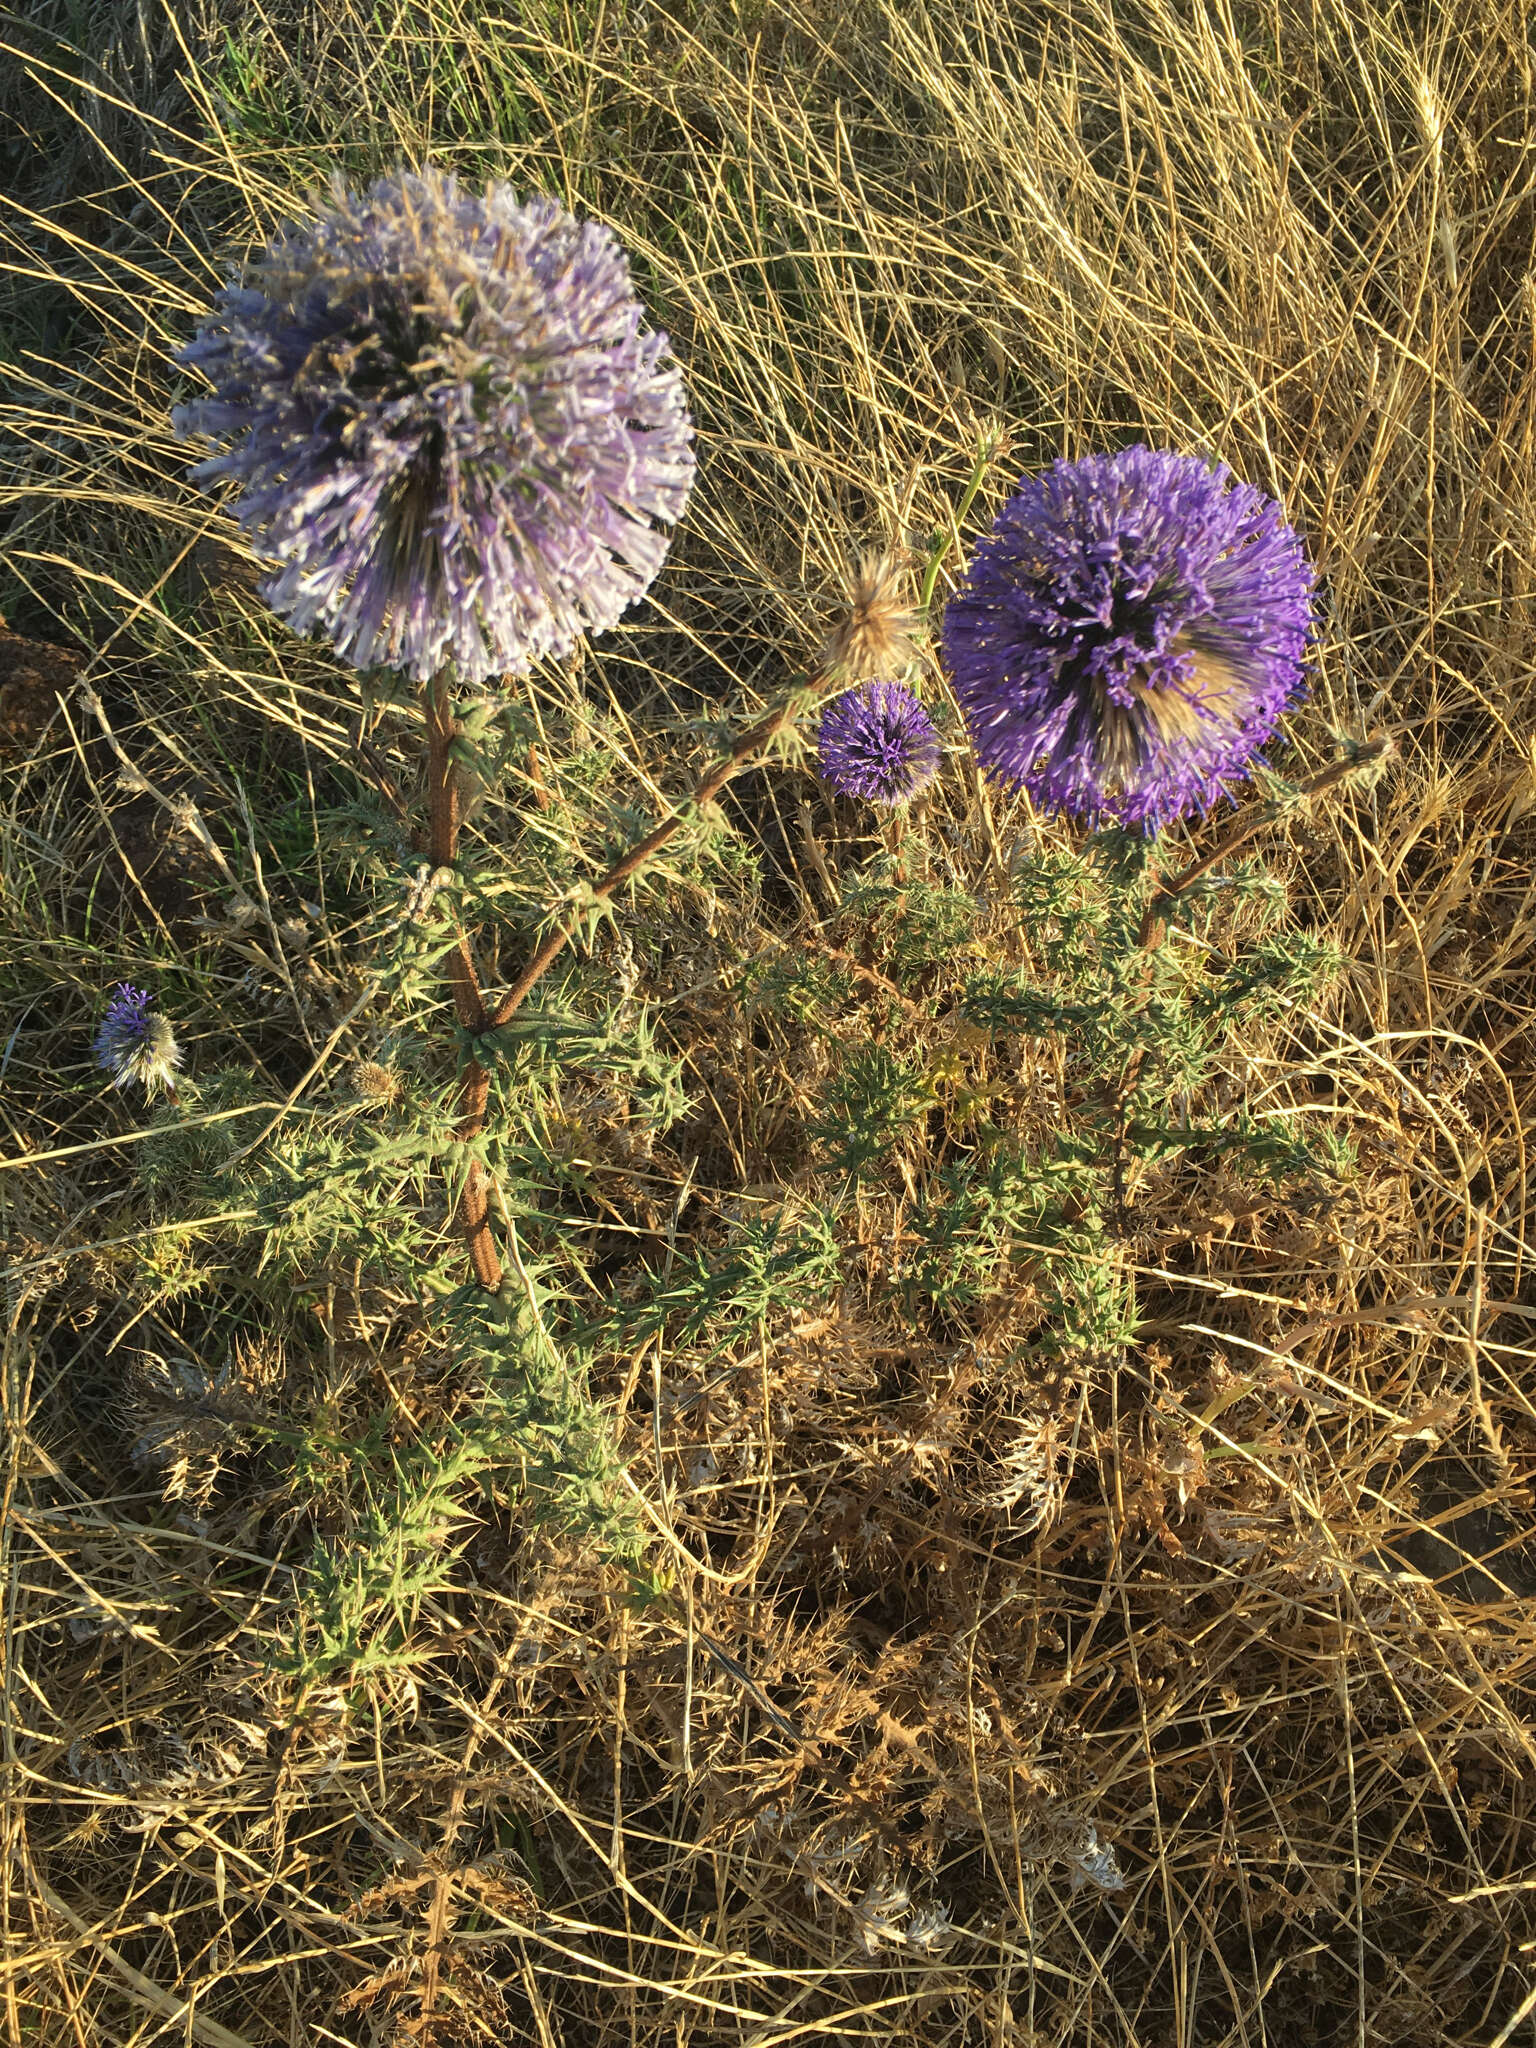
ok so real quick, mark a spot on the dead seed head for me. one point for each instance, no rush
(876, 636)
(374, 1082)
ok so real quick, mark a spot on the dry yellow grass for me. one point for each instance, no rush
(1251, 1612)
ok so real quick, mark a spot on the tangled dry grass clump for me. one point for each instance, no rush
(1173, 1694)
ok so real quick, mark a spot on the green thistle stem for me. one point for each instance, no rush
(992, 446)
(1361, 762)
(629, 864)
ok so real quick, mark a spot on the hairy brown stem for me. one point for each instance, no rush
(445, 803)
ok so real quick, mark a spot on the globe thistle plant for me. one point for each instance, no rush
(1128, 634)
(446, 425)
(877, 742)
(134, 1042)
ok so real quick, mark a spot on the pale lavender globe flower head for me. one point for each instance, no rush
(447, 426)
(135, 1042)
(877, 742)
(1128, 634)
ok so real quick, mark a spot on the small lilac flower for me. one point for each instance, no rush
(446, 424)
(878, 742)
(1128, 635)
(136, 1043)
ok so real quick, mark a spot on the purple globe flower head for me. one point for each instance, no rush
(135, 1043)
(879, 743)
(448, 429)
(1128, 635)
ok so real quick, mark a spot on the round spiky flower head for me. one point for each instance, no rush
(446, 425)
(1128, 634)
(135, 1043)
(879, 743)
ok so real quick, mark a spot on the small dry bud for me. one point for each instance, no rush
(374, 1082)
(876, 635)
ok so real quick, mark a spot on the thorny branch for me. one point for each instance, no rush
(1361, 762)
(469, 1003)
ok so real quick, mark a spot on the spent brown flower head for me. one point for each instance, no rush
(375, 1083)
(876, 634)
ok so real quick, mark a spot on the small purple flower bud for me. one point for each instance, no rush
(135, 1043)
(446, 424)
(879, 743)
(1128, 635)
